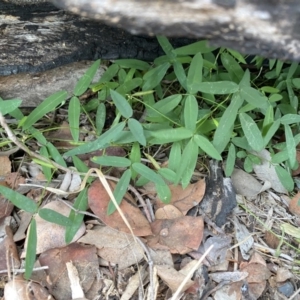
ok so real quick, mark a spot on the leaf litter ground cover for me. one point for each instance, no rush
(172, 180)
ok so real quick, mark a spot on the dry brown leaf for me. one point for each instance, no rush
(98, 202)
(6, 207)
(257, 272)
(85, 260)
(181, 235)
(185, 199)
(5, 164)
(114, 246)
(14, 179)
(172, 278)
(294, 205)
(168, 212)
(271, 239)
(51, 235)
(20, 289)
(9, 256)
(283, 274)
(229, 292)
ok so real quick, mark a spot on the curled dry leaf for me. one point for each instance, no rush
(185, 199)
(85, 260)
(5, 164)
(168, 212)
(266, 171)
(114, 246)
(98, 202)
(20, 289)
(245, 184)
(172, 278)
(258, 274)
(181, 235)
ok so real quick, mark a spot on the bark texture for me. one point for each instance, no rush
(35, 38)
(269, 28)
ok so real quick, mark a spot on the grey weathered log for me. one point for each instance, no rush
(269, 28)
(35, 38)
(34, 88)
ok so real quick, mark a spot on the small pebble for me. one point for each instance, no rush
(287, 289)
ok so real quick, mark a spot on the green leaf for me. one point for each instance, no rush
(296, 82)
(133, 63)
(275, 98)
(188, 164)
(279, 65)
(120, 191)
(49, 104)
(112, 161)
(164, 136)
(105, 78)
(290, 119)
(168, 174)
(148, 173)
(73, 115)
(122, 104)
(224, 130)
(30, 249)
(269, 89)
(129, 85)
(201, 46)
(84, 82)
(218, 87)
(135, 156)
(269, 118)
(194, 77)
(19, 200)
(180, 74)
(100, 118)
(285, 178)
(8, 106)
(137, 130)
(230, 160)
(254, 97)
(239, 57)
(163, 192)
(80, 204)
(79, 164)
(271, 132)
(245, 81)
(232, 66)
(55, 154)
(103, 141)
(290, 145)
(280, 157)
(166, 46)
(190, 112)
(164, 106)
(252, 133)
(153, 77)
(54, 217)
(16, 113)
(207, 147)
(175, 156)
(46, 170)
(248, 165)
